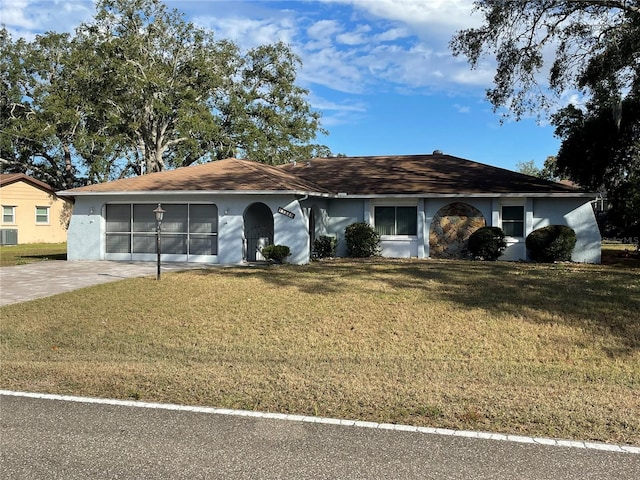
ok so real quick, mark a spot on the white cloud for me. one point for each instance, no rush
(461, 108)
(447, 15)
(357, 47)
(12, 13)
(27, 18)
(340, 112)
(391, 35)
(360, 45)
(248, 32)
(324, 30)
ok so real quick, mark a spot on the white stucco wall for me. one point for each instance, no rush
(86, 235)
(574, 213)
(342, 213)
(293, 232)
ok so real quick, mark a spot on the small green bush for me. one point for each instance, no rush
(275, 253)
(362, 240)
(487, 243)
(324, 247)
(551, 244)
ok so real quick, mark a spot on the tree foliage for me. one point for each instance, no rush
(138, 89)
(596, 44)
(549, 170)
(590, 47)
(601, 152)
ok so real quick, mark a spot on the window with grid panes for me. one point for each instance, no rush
(8, 214)
(190, 229)
(42, 215)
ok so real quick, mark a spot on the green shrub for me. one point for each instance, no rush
(487, 243)
(275, 253)
(324, 247)
(362, 240)
(551, 244)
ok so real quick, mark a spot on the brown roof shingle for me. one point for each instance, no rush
(436, 174)
(418, 174)
(9, 178)
(231, 174)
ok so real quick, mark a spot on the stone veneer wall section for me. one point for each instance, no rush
(451, 228)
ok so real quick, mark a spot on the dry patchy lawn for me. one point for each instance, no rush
(543, 350)
(31, 252)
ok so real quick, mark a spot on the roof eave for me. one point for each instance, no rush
(470, 195)
(168, 193)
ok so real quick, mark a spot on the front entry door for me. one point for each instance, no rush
(258, 228)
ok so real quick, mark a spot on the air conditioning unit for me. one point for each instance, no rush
(8, 236)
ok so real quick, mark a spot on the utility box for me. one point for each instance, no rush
(8, 236)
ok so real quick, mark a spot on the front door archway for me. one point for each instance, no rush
(258, 230)
(451, 228)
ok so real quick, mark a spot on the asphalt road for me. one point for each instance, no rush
(53, 439)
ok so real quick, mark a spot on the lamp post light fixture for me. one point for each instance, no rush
(159, 212)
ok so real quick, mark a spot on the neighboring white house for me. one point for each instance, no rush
(225, 211)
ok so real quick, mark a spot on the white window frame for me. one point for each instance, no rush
(13, 214)
(523, 221)
(395, 203)
(48, 213)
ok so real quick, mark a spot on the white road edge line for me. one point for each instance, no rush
(333, 421)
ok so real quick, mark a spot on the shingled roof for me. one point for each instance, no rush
(409, 175)
(9, 178)
(230, 175)
(419, 174)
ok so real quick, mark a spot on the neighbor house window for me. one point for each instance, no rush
(513, 220)
(42, 215)
(187, 229)
(396, 220)
(8, 214)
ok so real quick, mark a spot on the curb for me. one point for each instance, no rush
(334, 421)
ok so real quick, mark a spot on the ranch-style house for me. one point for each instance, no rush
(224, 212)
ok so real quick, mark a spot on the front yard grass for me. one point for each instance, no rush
(541, 350)
(31, 252)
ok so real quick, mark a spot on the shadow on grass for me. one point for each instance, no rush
(54, 256)
(597, 299)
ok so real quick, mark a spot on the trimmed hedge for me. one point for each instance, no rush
(324, 247)
(554, 243)
(487, 243)
(362, 240)
(275, 253)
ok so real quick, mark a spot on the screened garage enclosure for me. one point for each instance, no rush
(189, 232)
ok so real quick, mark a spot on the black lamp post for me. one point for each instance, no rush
(159, 212)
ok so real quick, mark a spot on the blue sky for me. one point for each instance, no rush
(380, 71)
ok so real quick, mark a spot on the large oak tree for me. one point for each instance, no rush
(139, 89)
(546, 48)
